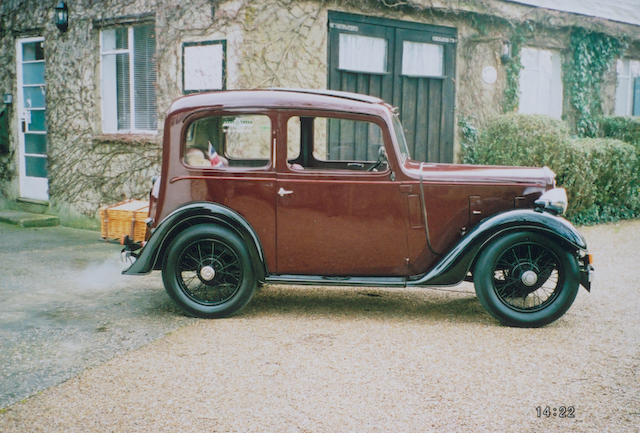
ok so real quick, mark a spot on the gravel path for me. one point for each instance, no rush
(333, 359)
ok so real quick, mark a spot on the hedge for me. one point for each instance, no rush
(623, 128)
(600, 174)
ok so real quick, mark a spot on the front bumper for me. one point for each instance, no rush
(587, 271)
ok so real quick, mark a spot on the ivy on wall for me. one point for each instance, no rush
(512, 70)
(592, 55)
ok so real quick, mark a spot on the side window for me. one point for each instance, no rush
(128, 84)
(628, 87)
(335, 144)
(541, 82)
(229, 141)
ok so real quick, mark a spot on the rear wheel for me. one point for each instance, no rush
(208, 272)
(525, 279)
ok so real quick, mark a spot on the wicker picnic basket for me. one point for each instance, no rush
(124, 218)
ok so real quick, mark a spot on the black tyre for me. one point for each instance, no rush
(525, 279)
(208, 271)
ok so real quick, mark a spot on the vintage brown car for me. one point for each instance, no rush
(318, 187)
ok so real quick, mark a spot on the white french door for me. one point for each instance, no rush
(32, 127)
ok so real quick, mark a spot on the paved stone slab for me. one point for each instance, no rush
(26, 219)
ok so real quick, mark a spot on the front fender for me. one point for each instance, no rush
(455, 265)
(150, 257)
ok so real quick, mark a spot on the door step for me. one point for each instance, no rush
(27, 219)
(31, 205)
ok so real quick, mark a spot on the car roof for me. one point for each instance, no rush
(282, 98)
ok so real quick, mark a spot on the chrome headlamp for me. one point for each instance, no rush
(554, 200)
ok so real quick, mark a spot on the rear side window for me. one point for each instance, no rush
(228, 141)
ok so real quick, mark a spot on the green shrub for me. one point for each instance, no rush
(517, 139)
(601, 175)
(612, 164)
(623, 128)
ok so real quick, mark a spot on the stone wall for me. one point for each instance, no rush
(270, 43)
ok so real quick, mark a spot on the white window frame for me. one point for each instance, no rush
(628, 88)
(129, 51)
(547, 87)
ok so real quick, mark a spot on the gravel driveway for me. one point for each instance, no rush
(311, 359)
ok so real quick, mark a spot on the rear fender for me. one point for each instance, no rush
(455, 265)
(152, 255)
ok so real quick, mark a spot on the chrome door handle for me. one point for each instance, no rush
(282, 192)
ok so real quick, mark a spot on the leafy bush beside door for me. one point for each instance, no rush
(600, 174)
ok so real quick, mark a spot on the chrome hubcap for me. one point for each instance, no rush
(207, 273)
(529, 278)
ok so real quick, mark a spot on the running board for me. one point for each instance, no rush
(316, 280)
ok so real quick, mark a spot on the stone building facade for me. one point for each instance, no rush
(85, 107)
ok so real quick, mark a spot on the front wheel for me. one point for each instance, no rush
(525, 279)
(208, 271)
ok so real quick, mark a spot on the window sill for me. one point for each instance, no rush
(126, 139)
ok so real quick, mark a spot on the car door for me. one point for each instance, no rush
(338, 214)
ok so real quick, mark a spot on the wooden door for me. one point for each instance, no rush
(409, 65)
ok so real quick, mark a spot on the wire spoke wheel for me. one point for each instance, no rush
(526, 279)
(209, 271)
(527, 276)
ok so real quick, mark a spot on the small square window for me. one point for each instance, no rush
(362, 53)
(203, 66)
(422, 59)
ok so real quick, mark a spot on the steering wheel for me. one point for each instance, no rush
(382, 159)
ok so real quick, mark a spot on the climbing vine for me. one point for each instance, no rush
(514, 66)
(591, 56)
(469, 139)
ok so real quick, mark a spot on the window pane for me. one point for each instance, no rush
(203, 67)
(35, 143)
(36, 166)
(324, 143)
(422, 59)
(247, 137)
(622, 96)
(33, 73)
(348, 140)
(635, 111)
(627, 72)
(37, 121)
(242, 141)
(540, 82)
(293, 138)
(115, 39)
(123, 101)
(116, 103)
(34, 97)
(362, 53)
(144, 77)
(32, 51)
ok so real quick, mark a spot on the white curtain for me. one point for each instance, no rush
(362, 53)
(421, 59)
(540, 82)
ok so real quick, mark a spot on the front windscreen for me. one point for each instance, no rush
(400, 138)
